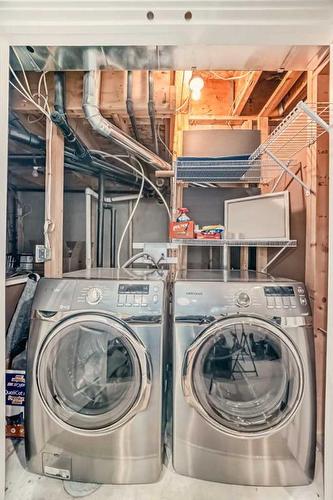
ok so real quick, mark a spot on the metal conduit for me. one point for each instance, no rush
(91, 101)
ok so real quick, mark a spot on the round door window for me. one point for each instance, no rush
(90, 372)
(245, 375)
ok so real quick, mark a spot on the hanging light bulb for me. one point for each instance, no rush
(196, 85)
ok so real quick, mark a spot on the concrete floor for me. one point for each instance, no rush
(22, 485)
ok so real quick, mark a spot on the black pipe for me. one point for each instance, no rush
(15, 122)
(130, 106)
(151, 111)
(100, 222)
(59, 118)
(33, 140)
(71, 138)
(59, 92)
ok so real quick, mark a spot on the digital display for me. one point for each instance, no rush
(134, 289)
(280, 291)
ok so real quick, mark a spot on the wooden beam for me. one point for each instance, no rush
(245, 92)
(287, 82)
(219, 118)
(294, 96)
(316, 262)
(54, 199)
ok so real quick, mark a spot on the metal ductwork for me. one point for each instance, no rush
(151, 111)
(91, 101)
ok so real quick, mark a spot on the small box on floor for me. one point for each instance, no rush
(15, 399)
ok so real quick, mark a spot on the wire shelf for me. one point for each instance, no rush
(208, 172)
(301, 128)
(236, 243)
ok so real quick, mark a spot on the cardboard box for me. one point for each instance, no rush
(208, 236)
(15, 400)
(181, 230)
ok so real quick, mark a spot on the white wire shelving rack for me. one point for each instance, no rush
(226, 243)
(276, 156)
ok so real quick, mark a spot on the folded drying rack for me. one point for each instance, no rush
(276, 156)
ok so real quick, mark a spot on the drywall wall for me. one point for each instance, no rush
(150, 224)
(207, 207)
(220, 142)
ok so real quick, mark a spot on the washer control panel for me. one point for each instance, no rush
(127, 298)
(286, 297)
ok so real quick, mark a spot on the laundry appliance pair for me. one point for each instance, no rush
(243, 378)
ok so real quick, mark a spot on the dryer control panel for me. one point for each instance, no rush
(125, 298)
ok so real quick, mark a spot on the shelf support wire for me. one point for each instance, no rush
(314, 116)
(286, 168)
(276, 256)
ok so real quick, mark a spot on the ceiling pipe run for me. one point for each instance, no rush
(130, 106)
(58, 116)
(94, 167)
(91, 102)
(151, 111)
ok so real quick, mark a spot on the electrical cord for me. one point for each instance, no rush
(118, 157)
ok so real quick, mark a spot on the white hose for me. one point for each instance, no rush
(131, 217)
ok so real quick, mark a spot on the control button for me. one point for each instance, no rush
(303, 300)
(155, 299)
(270, 302)
(300, 290)
(137, 301)
(120, 304)
(286, 302)
(155, 289)
(243, 300)
(278, 302)
(94, 296)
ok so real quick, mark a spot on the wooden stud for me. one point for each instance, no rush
(54, 199)
(244, 258)
(316, 262)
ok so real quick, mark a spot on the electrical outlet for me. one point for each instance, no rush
(42, 253)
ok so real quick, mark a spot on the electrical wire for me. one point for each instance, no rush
(219, 77)
(162, 142)
(130, 217)
(118, 157)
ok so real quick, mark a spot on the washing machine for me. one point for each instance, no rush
(244, 403)
(95, 376)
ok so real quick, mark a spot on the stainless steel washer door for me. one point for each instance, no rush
(244, 376)
(93, 373)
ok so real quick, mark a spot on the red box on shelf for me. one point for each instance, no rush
(208, 236)
(181, 230)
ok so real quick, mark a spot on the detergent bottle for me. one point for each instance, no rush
(182, 215)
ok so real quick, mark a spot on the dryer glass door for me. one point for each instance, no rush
(244, 375)
(93, 372)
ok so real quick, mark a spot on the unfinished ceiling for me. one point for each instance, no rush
(186, 57)
(229, 99)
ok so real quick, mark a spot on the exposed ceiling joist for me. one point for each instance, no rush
(245, 92)
(286, 84)
(294, 96)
